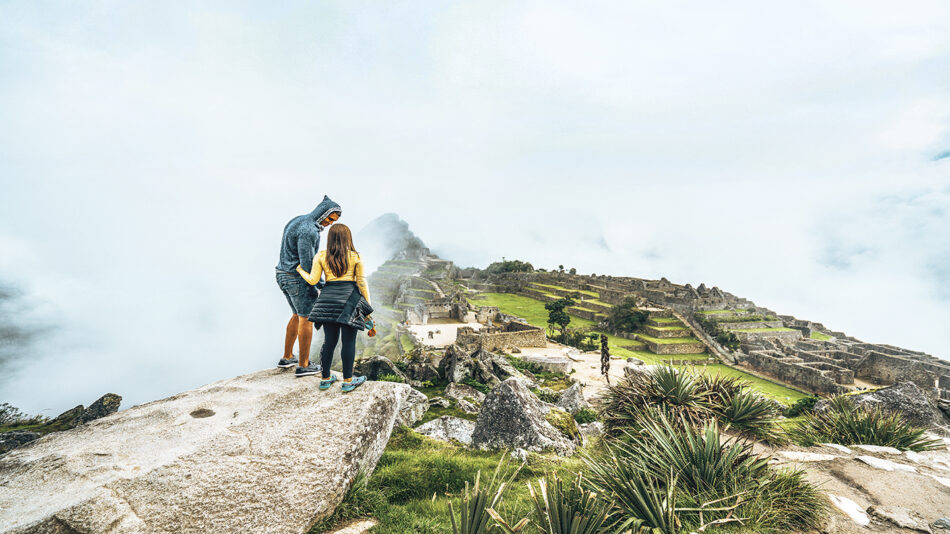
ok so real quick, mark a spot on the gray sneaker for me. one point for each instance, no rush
(284, 362)
(312, 369)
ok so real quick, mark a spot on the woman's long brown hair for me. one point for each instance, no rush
(339, 245)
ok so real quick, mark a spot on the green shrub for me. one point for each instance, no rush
(585, 416)
(802, 406)
(845, 423)
(390, 378)
(626, 317)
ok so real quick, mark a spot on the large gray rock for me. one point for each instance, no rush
(257, 453)
(107, 404)
(463, 392)
(512, 417)
(904, 398)
(572, 400)
(378, 366)
(448, 428)
(456, 365)
(413, 408)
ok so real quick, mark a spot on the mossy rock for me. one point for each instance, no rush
(564, 422)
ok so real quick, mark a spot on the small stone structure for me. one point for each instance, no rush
(509, 335)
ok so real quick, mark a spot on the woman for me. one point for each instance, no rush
(343, 306)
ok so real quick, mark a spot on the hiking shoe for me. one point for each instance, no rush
(312, 369)
(327, 382)
(284, 362)
(353, 384)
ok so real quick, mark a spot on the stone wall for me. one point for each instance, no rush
(673, 348)
(790, 335)
(803, 377)
(512, 335)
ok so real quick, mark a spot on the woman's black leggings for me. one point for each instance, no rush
(331, 332)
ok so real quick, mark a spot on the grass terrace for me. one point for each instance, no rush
(720, 312)
(761, 330)
(581, 291)
(666, 320)
(669, 340)
(819, 336)
(670, 328)
(533, 311)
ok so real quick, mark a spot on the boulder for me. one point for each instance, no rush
(463, 392)
(551, 364)
(466, 406)
(378, 366)
(492, 368)
(259, 453)
(904, 398)
(448, 428)
(423, 371)
(512, 417)
(456, 365)
(413, 408)
(572, 400)
(591, 430)
(441, 402)
(107, 404)
(69, 418)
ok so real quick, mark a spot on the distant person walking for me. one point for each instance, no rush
(298, 247)
(343, 306)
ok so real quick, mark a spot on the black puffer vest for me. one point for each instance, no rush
(341, 302)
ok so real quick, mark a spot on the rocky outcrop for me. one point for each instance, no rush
(378, 366)
(875, 489)
(483, 366)
(261, 453)
(71, 418)
(448, 428)
(413, 408)
(107, 404)
(904, 398)
(513, 417)
(572, 400)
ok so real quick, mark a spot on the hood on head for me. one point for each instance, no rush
(324, 209)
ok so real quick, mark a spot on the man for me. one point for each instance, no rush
(298, 247)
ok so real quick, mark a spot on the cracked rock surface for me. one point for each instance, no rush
(263, 452)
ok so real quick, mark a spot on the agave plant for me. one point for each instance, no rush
(751, 415)
(571, 510)
(642, 498)
(719, 387)
(845, 423)
(478, 503)
(638, 397)
(704, 463)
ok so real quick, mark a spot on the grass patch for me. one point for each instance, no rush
(670, 328)
(416, 477)
(666, 320)
(819, 336)
(406, 342)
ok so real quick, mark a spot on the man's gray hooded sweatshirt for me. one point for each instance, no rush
(302, 237)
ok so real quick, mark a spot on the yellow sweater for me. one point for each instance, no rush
(354, 272)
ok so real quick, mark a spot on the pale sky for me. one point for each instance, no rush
(796, 154)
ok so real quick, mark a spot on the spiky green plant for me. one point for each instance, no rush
(703, 462)
(845, 423)
(638, 396)
(478, 503)
(571, 510)
(719, 387)
(751, 414)
(641, 498)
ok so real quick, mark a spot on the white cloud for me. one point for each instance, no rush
(151, 153)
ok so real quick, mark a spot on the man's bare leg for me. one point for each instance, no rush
(290, 338)
(304, 336)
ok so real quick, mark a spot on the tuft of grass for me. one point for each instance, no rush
(845, 423)
(390, 378)
(585, 416)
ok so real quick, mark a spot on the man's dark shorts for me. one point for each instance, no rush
(300, 295)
